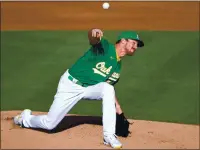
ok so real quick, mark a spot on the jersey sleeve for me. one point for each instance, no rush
(101, 48)
(112, 82)
(105, 44)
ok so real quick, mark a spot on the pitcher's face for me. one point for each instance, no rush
(130, 47)
(127, 47)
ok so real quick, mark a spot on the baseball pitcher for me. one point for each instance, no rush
(92, 76)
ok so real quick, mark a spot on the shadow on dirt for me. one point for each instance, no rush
(72, 121)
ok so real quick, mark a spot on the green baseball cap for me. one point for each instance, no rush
(130, 35)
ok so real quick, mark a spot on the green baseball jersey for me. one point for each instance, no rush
(91, 69)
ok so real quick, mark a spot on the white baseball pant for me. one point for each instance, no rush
(68, 94)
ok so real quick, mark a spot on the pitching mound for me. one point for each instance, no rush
(86, 132)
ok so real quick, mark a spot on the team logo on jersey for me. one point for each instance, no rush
(101, 69)
(112, 57)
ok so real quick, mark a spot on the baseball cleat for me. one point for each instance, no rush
(112, 141)
(18, 120)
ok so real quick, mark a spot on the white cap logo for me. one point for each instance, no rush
(137, 36)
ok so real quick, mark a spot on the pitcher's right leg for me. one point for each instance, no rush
(62, 104)
(68, 94)
(60, 107)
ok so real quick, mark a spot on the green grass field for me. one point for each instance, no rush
(161, 82)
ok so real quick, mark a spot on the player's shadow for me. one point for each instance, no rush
(72, 121)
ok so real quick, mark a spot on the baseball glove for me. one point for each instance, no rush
(94, 37)
(122, 125)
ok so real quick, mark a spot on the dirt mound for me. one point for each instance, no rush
(86, 132)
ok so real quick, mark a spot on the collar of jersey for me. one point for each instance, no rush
(118, 58)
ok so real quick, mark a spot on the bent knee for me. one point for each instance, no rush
(107, 88)
(50, 126)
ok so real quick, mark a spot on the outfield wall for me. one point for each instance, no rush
(84, 15)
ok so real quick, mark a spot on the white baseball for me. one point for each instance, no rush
(106, 5)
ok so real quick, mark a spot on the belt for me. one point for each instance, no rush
(75, 80)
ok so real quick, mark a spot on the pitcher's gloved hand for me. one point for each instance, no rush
(122, 125)
(94, 36)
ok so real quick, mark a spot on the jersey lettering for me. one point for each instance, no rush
(101, 69)
(98, 72)
(112, 79)
(115, 75)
